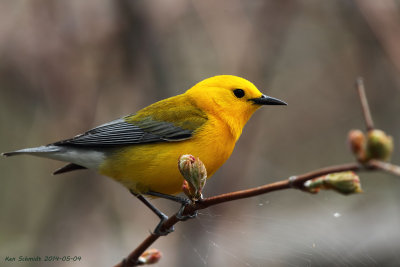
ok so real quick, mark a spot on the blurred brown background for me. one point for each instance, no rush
(67, 66)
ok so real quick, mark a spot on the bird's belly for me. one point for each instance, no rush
(154, 167)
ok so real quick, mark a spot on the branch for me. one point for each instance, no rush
(296, 182)
(364, 104)
(385, 166)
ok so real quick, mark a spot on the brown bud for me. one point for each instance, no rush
(356, 140)
(188, 190)
(150, 256)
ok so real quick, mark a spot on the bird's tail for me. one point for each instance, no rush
(79, 158)
(48, 152)
(37, 151)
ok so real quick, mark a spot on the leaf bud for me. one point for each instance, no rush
(379, 145)
(195, 174)
(150, 256)
(356, 141)
(343, 182)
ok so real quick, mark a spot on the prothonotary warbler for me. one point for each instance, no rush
(141, 150)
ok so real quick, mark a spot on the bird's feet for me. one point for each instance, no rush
(180, 215)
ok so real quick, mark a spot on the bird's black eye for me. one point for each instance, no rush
(239, 93)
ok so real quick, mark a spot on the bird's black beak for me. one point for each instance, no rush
(267, 100)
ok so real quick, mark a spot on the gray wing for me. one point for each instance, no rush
(120, 132)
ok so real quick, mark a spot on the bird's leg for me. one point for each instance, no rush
(162, 216)
(183, 201)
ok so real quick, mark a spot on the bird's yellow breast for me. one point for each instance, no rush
(154, 166)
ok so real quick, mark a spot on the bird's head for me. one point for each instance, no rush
(231, 98)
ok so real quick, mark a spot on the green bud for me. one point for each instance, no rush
(343, 182)
(379, 145)
(195, 174)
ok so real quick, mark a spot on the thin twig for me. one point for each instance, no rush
(385, 166)
(295, 182)
(364, 104)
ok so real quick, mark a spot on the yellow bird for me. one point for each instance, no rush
(141, 150)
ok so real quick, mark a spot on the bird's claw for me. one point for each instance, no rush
(182, 217)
